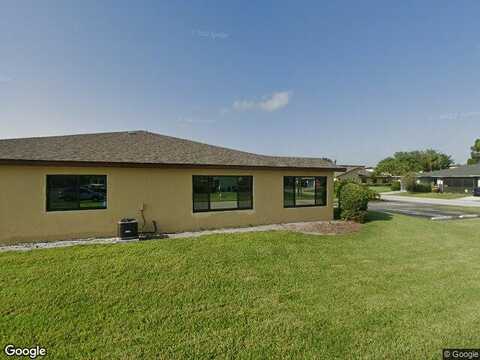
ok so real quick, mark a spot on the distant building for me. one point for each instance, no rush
(363, 175)
(460, 179)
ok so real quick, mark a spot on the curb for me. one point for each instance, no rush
(466, 216)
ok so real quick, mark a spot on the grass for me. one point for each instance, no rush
(434, 195)
(380, 189)
(223, 196)
(401, 288)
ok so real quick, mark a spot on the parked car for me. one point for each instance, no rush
(85, 193)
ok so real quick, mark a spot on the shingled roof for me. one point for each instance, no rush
(457, 172)
(141, 148)
(347, 169)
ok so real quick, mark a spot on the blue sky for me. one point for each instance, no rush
(353, 81)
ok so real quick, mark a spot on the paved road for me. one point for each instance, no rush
(469, 201)
(432, 212)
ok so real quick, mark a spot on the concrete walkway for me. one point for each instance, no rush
(469, 201)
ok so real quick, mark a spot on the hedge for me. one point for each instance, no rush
(422, 188)
(396, 186)
(353, 202)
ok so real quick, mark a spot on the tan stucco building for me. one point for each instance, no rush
(80, 186)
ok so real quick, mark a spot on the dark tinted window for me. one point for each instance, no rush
(245, 187)
(76, 192)
(224, 192)
(289, 191)
(459, 184)
(213, 193)
(200, 193)
(321, 190)
(305, 191)
(301, 191)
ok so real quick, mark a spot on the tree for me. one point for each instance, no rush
(403, 162)
(475, 153)
(433, 160)
(390, 166)
(409, 181)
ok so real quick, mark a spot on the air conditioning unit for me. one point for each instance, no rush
(127, 229)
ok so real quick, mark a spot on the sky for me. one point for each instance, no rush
(349, 80)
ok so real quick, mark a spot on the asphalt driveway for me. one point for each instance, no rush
(430, 211)
(470, 201)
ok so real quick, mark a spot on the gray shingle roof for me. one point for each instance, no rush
(141, 147)
(461, 171)
(347, 169)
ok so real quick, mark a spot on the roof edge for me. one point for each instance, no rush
(347, 171)
(448, 176)
(155, 165)
(81, 134)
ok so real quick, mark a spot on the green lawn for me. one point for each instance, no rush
(223, 196)
(401, 288)
(434, 195)
(380, 189)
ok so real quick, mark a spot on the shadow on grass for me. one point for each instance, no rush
(378, 216)
(371, 216)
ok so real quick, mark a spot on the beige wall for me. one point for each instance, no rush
(165, 193)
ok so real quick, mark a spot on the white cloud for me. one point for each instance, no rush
(244, 105)
(270, 103)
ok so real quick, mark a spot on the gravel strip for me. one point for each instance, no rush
(63, 243)
(311, 228)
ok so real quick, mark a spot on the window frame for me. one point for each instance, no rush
(48, 207)
(210, 179)
(295, 191)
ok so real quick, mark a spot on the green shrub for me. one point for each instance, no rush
(339, 184)
(353, 202)
(336, 213)
(372, 194)
(410, 180)
(336, 186)
(422, 188)
(396, 186)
